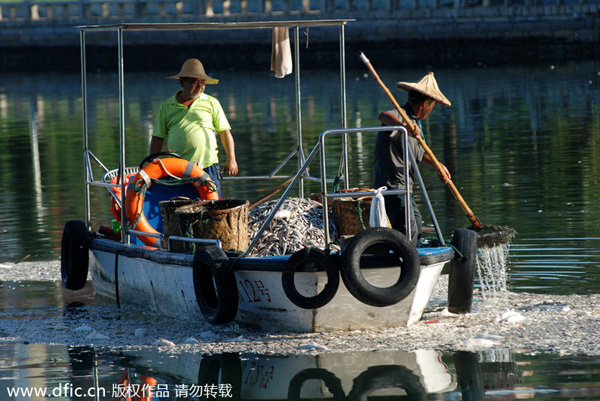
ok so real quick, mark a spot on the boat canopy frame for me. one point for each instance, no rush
(119, 29)
(303, 161)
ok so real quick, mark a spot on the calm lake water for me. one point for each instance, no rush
(522, 144)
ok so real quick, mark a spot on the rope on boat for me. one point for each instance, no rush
(187, 228)
(360, 213)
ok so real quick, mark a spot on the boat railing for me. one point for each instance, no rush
(110, 180)
(274, 173)
(320, 148)
(323, 165)
(173, 238)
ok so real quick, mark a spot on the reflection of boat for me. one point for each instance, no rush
(354, 375)
(299, 292)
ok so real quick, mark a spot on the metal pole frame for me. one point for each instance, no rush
(323, 166)
(84, 106)
(124, 234)
(344, 116)
(298, 106)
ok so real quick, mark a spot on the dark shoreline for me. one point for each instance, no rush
(416, 53)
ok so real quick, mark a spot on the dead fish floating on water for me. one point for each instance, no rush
(297, 224)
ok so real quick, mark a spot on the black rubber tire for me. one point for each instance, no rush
(310, 259)
(384, 377)
(214, 285)
(462, 271)
(356, 283)
(333, 384)
(74, 255)
(225, 368)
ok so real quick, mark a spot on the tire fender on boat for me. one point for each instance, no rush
(310, 259)
(462, 271)
(158, 169)
(74, 256)
(214, 285)
(405, 252)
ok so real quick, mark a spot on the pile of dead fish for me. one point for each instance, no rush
(296, 225)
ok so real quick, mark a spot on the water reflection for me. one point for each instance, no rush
(35, 117)
(87, 373)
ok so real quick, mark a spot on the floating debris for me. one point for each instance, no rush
(511, 317)
(95, 336)
(478, 343)
(162, 342)
(83, 329)
(297, 224)
(313, 347)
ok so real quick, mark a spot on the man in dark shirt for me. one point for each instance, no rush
(389, 161)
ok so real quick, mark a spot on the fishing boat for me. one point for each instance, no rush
(387, 281)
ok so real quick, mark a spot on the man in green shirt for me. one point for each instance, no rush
(189, 121)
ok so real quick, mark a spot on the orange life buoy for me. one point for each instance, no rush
(116, 194)
(157, 169)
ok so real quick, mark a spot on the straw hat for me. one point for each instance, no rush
(193, 68)
(427, 86)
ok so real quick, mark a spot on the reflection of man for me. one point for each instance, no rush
(188, 122)
(389, 162)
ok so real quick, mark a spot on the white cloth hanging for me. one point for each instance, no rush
(378, 216)
(281, 52)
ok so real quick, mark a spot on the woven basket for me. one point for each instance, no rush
(351, 215)
(170, 221)
(225, 220)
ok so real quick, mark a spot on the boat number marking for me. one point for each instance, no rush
(255, 291)
(256, 374)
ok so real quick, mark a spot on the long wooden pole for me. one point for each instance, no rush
(472, 218)
(272, 193)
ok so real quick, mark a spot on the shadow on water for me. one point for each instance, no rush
(83, 372)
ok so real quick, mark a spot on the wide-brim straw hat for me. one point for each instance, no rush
(193, 68)
(427, 86)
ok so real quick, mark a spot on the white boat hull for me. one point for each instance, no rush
(167, 287)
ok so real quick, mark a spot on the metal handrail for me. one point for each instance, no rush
(193, 240)
(320, 146)
(345, 132)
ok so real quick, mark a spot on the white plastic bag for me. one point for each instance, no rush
(378, 217)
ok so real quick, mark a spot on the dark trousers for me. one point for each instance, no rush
(215, 174)
(394, 207)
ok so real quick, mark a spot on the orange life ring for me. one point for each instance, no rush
(116, 194)
(157, 169)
